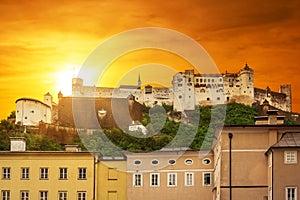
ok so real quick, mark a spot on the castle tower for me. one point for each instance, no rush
(287, 90)
(246, 79)
(184, 92)
(48, 99)
(77, 83)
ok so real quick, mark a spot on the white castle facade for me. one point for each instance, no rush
(189, 90)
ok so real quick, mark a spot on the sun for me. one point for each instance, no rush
(64, 79)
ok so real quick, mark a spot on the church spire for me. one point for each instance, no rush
(139, 81)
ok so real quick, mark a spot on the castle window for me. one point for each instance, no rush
(201, 80)
(179, 96)
(208, 80)
(207, 98)
(197, 80)
(227, 98)
(212, 80)
(189, 79)
(204, 80)
(32, 111)
(202, 91)
(220, 80)
(218, 98)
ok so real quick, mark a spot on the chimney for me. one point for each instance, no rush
(17, 144)
(272, 118)
(72, 148)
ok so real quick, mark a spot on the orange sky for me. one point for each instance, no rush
(42, 41)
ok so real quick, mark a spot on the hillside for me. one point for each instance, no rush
(193, 129)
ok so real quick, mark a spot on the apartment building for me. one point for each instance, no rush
(46, 175)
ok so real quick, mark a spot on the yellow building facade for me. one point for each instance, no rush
(47, 175)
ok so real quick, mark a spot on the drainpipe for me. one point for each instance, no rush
(94, 181)
(230, 167)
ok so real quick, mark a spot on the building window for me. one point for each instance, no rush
(137, 180)
(290, 157)
(43, 173)
(81, 173)
(25, 173)
(154, 179)
(24, 195)
(189, 179)
(137, 162)
(154, 162)
(172, 179)
(172, 162)
(206, 161)
(5, 173)
(291, 193)
(63, 173)
(5, 195)
(81, 195)
(188, 161)
(206, 178)
(43, 195)
(62, 195)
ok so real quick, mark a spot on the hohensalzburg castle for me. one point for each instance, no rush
(189, 90)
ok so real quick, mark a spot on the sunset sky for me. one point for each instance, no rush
(43, 43)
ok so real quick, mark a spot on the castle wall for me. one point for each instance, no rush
(190, 89)
(29, 112)
(281, 101)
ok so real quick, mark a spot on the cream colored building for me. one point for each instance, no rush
(169, 174)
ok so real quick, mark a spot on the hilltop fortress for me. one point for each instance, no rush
(189, 90)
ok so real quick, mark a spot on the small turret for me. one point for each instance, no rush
(48, 99)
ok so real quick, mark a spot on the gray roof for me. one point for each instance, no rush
(289, 140)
